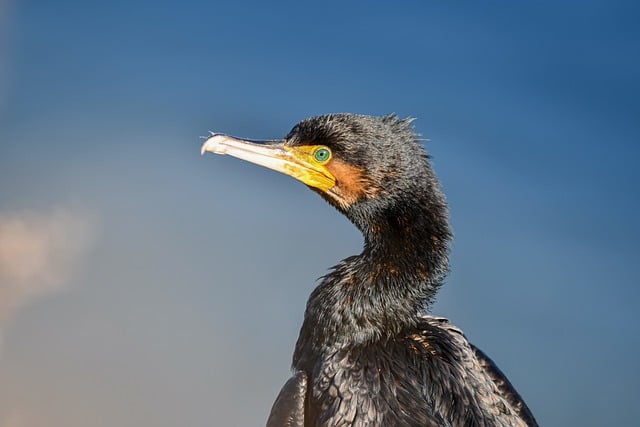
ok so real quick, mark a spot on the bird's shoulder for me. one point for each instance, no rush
(507, 391)
(474, 373)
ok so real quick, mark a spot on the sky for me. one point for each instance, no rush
(143, 284)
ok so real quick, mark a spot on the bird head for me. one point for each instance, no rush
(372, 169)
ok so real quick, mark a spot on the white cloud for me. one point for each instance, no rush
(39, 253)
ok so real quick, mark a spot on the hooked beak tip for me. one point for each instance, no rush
(208, 144)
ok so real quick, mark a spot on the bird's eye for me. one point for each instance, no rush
(322, 155)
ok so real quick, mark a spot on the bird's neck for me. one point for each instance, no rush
(377, 294)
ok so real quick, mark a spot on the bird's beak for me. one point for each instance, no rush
(293, 161)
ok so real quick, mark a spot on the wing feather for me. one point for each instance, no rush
(288, 409)
(505, 387)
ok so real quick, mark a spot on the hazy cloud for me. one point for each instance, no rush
(39, 252)
(15, 419)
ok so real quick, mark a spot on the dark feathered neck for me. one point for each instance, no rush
(377, 294)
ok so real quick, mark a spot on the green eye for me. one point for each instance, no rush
(322, 154)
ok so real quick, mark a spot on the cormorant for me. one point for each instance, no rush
(367, 354)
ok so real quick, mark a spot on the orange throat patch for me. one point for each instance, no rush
(352, 183)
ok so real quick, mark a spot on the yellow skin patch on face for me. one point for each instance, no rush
(308, 169)
(307, 153)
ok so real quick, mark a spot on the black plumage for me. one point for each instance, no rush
(367, 354)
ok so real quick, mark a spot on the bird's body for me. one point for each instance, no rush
(427, 376)
(367, 354)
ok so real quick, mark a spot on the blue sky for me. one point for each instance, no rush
(169, 287)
